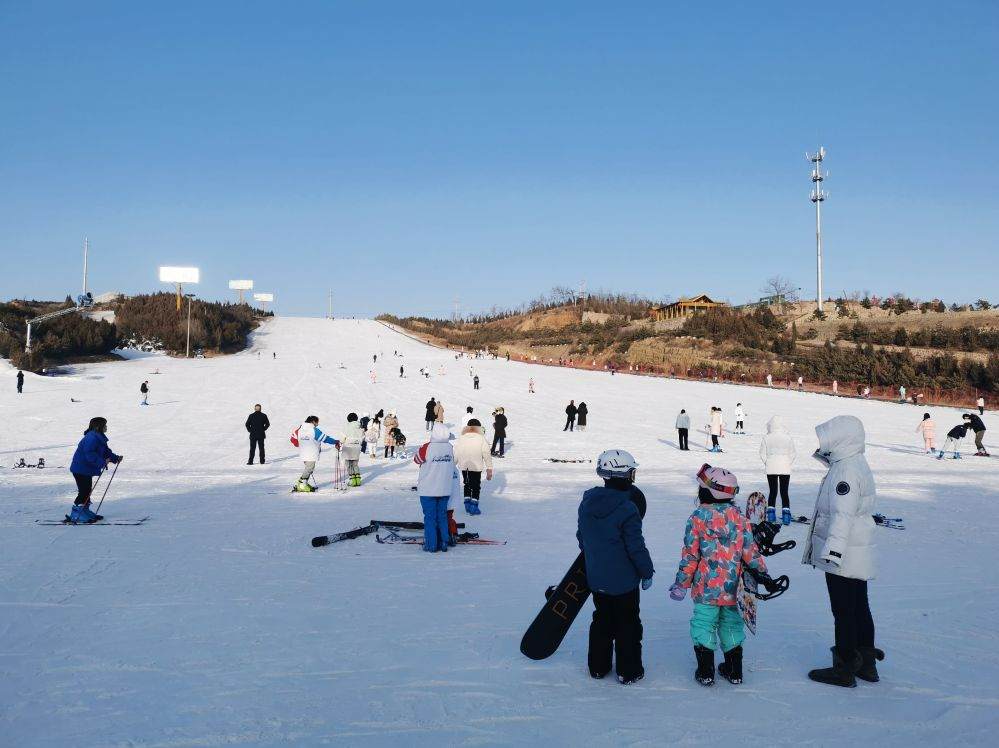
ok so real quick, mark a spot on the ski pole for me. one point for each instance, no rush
(107, 486)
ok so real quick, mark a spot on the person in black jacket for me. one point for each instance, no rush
(581, 412)
(954, 437)
(256, 425)
(499, 432)
(570, 416)
(978, 426)
(20, 381)
(430, 415)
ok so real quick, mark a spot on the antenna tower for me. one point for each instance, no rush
(818, 196)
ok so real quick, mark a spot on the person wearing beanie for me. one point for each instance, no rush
(609, 531)
(841, 543)
(353, 436)
(928, 428)
(978, 427)
(717, 543)
(777, 453)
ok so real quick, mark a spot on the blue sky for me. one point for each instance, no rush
(406, 154)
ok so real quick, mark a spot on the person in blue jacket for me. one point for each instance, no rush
(90, 459)
(617, 562)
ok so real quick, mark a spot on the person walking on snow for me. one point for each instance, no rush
(430, 417)
(20, 382)
(439, 412)
(309, 440)
(90, 459)
(740, 416)
(475, 382)
(391, 429)
(954, 438)
(715, 429)
(581, 413)
(499, 432)
(435, 485)
(530, 385)
(683, 429)
(371, 438)
(144, 389)
(841, 542)
(570, 416)
(979, 403)
(978, 427)
(928, 428)
(351, 449)
(901, 394)
(770, 380)
(257, 425)
(717, 544)
(472, 456)
(609, 531)
(777, 453)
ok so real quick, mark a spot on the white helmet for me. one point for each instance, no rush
(616, 463)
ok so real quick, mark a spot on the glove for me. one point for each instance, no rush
(677, 592)
(646, 583)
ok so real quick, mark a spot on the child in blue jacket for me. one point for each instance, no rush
(90, 459)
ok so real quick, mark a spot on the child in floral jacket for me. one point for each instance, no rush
(717, 542)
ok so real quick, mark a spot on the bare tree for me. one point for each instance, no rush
(782, 291)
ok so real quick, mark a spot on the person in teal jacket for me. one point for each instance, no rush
(90, 459)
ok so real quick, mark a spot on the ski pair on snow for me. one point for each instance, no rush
(320, 540)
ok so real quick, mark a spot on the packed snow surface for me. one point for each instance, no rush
(216, 622)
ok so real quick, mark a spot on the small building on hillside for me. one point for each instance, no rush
(685, 307)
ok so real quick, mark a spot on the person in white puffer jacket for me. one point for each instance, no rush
(841, 542)
(436, 485)
(778, 453)
(472, 456)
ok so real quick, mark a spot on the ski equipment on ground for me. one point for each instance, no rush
(68, 521)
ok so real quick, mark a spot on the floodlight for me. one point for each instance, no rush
(179, 275)
(241, 285)
(263, 297)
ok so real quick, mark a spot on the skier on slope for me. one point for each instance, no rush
(582, 411)
(363, 422)
(928, 428)
(717, 543)
(91, 457)
(471, 455)
(609, 532)
(740, 417)
(351, 449)
(715, 428)
(435, 486)
(841, 542)
(777, 453)
(309, 440)
(570, 416)
(954, 438)
(371, 438)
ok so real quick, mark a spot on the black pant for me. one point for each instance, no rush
(498, 439)
(473, 483)
(84, 485)
(683, 438)
(851, 612)
(616, 629)
(569, 423)
(739, 426)
(714, 440)
(256, 441)
(475, 385)
(778, 480)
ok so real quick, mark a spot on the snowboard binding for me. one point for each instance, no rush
(774, 587)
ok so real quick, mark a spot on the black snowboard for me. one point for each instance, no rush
(563, 603)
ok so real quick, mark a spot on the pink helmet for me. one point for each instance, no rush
(722, 484)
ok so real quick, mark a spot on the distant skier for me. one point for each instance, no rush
(715, 428)
(499, 432)
(740, 418)
(91, 457)
(717, 543)
(954, 438)
(570, 416)
(402, 372)
(310, 440)
(777, 453)
(978, 427)
(928, 428)
(144, 389)
(609, 532)
(350, 449)
(530, 385)
(581, 412)
(979, 403)
(475, 382)
(770, 380)
(801, 384)
(391, 427)
(371, 438)
(841, 542)
(20, 382)
(430, 417)
(257, 425)
(683, 429)
(835, 388)
(435, 485)
(472, 456)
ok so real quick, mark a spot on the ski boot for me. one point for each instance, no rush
(771, 515)
(842, 671)
(941, 455)
(468, 506)
(933, 450)
(355, 480)
(627, 681)
(957, 455)
(82, 515)
(785, 517)
(705, 673)
(474, 507)
(868, 669)
(303, 487)
(731, 669)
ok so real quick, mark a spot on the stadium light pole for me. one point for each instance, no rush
(818, 195)
(189, 297)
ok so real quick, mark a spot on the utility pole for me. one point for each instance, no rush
(330, 315)
(818, 195)
(457, 310)
(86, 249)
(582, 292)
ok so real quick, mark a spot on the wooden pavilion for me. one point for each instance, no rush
(684, 307)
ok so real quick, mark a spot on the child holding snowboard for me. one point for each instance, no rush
(717, 543)
(617, 562)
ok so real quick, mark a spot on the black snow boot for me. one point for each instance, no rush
(705, 673)
(842, 671)
(731, 669)
(868, 669)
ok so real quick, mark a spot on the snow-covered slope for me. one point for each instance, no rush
(216, 623)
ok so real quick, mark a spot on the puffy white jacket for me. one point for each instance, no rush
(352, 438)
(777, 448)
(310, 439)
(436, 461)
(740, 414)
(716, 423)
(471, 452)
(841, 536)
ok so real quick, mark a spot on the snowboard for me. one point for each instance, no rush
(563, 603)
(745, 596)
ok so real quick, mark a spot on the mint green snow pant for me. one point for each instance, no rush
(721, 620)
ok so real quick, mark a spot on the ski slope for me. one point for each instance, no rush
(216, 623)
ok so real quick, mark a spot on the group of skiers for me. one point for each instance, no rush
(718, 546)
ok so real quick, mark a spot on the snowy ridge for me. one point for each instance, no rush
(216, 622)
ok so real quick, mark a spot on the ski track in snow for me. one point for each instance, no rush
(217, 624)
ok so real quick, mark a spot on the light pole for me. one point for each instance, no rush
(818, 196)
(189, 297)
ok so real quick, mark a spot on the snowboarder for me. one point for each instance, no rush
(683, 429)
(609, 532)
(475, 382)
(778, 453)
(391, 426)
(954, 437)
(472, 456)
(91, 457)
(351, 449)
(429, 417)
(740, 417)
(717, 543)
(570, 416)
(978, 427)
(144, 389)
(310, 440)
(581, 413)
(841, 542)
(20, 381)
(928, 428)
(256, 425)
(499, 432)
(435, 485)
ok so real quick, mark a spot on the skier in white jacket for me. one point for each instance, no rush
(740, 417)
(310, 440)
(841, 542)
(777, 452)
(436, 485)
(472, 456)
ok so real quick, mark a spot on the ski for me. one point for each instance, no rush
(465, 538)
(321, 540)
(403, 525)
(67, 521)
(556, 459)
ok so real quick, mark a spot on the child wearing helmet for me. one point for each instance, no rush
(717, 542)
(610, 535)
